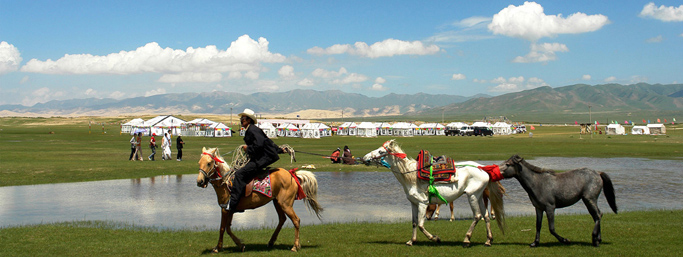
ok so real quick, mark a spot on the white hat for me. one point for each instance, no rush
(249, 113)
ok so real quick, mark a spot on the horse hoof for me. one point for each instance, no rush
(242, 248)
(409, 243)
(437, 239)
(534, 244)
(270, 244)
(465, 245)
(566, 241)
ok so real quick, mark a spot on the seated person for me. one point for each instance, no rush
(335, 156)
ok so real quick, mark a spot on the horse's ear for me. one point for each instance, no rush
(203, 149)
(215, 153)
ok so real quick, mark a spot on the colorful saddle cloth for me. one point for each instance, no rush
(442, 169)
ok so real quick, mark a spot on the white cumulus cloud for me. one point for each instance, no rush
(514, 84)
(10, 58)
(158, 91)
(351, 78)
(610, 79)
(586, 77)
(657, 39)
(386, 48)
(542, 53)
(244, 55)
(286, 72)
(41, 95)
(528, 21)
(322, 73)
(306, 83)
(380, 80)
(378, 87)
(662, 13)
(458, 76)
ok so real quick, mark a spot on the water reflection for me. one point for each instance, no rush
(175, 202)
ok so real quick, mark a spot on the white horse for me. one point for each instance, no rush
(470, 181)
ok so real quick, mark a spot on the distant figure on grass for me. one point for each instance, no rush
(166, 147)
(335, 156)
(179, 143)
(153, 147)
(133, 143)
(138, 147)
(347, 156)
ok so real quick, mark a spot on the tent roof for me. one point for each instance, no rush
(348, 125)
(655, 125)
(164, 121)
(200, 121)
(366, 125)
(614, 125)
(135, 122)
(219, 125)
(265, 125)
(501, 124)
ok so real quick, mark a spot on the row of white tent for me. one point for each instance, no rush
(406, 129)
(308, 130)
(164, 123)
(649, 129)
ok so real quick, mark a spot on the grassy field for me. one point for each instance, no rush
(650, 233)
(31, 154)
(56, 150)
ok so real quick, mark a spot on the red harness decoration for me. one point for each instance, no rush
(300, 194)
(399, 155)
(493, 171)
(439, 171)
(218, 170)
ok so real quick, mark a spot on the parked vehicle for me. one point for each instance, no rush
(481, 131)
(466, 131)
(452, 131)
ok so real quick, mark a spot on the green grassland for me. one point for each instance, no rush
(646, 233)
(75, 151)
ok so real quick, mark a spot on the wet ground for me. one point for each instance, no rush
(175, 202)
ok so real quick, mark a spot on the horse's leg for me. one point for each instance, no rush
(452, 214)
(413, 207)
(476, 215)
(287, 208)
(550, 212)
(221, 231)
(281, 221)
(436, 213)
(421, 209)
(597, 216)
(226, 222)
(539, 224)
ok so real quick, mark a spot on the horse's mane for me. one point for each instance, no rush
(537, 169)
(224, 165)
(404, 165)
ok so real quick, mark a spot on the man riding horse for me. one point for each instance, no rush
(261, 151)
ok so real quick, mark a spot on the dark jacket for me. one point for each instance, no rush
(260, 148)
(179, 143)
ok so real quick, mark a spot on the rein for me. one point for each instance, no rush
(215, 173)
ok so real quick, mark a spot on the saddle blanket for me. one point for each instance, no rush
(441, 170)
(263, 186)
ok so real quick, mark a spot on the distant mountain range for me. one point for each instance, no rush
(567, 99)
(613, 100)
(222, 102)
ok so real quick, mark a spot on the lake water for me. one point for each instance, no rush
(175, 202)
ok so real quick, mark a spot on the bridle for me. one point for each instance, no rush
(214, 174)
(379, 159)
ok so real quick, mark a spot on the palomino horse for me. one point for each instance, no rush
(470, 181)
(213, 169)
(433, 209)
(549, 190)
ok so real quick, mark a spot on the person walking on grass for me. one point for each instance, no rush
(153, 146)
(179, 143)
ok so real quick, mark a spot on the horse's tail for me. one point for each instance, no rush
(310, 187)
(496, 191)
(609, 191)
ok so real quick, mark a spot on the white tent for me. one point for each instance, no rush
(130, 126)
(268, 129)
(288, 130)
(615, 129)
(347, 129)
(640, 130)
(325, 131)
(384, 129)
(310, 130)
(218, 130)
(456, 125)
(160, 124)
(197, 127)
(402, 129)
(657, 129)
(432, 129)
(481, 124)
(366, 129)
(502, 128)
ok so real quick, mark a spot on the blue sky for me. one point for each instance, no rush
(56, 50)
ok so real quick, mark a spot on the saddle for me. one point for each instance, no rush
(261, 182)
(442, 168)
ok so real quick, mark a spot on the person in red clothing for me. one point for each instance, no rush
(153, 146)
(335, 156)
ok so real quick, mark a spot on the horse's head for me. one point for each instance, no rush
(389, 148)
(511, 167)
(209, 166)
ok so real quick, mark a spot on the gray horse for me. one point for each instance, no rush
(549, 190)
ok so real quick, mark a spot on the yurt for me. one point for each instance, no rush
(197, 128)
(218, 130)
(347, 129)
(366, 129)
(615, 129)
(657, 129)
(131, 125)
(402, 129)
(428, 129)
(501, 128)
(384, 129)
(640, 130)
(268, 129)
(288, 130)
(160, 124)
(310, 130)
